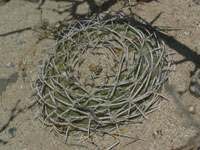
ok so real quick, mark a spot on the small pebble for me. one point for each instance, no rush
(12, 132)
(187, 32)
(24, 75)
(194, 87)
(9, 65)
(193, 81)
(192, 109)
(195, 90)
(21, 41)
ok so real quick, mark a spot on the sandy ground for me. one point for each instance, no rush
(21, 55)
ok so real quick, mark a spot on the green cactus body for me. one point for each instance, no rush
(124, 86)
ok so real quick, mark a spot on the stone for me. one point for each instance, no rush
(12, 132)
(9, 65)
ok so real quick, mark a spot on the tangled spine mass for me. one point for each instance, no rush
(101, 74)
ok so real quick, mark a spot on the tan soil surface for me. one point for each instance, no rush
(166, 129)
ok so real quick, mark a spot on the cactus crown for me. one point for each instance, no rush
(100, 74)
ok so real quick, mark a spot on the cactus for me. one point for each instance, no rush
(101, 74)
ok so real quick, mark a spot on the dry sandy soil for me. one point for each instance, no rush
(20, 58)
